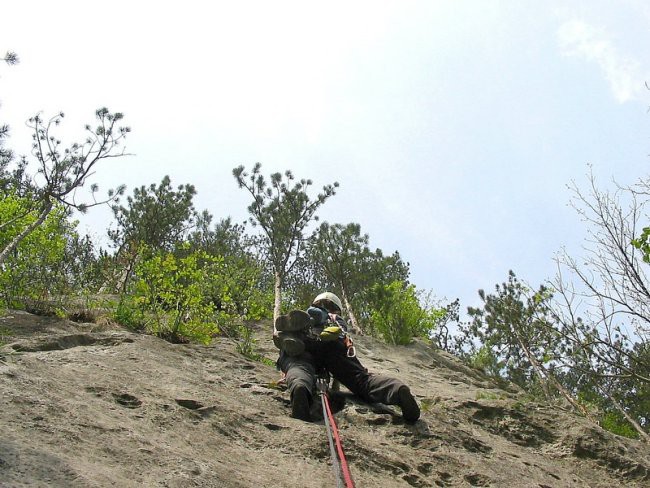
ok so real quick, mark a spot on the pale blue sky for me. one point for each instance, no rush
(453, 127)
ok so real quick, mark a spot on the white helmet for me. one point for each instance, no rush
(331, 297)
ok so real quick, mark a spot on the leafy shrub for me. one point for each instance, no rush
(234, 289)
(83, 265)
(50, 264)
(614, 422)
(485, 360)
(397, 314)
(130, 313)
(33, 273)
(246, 342)
(170, 297)
(191, 295)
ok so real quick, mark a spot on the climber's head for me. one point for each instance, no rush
(329, 301)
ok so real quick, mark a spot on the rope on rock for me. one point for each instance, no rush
(339, 463)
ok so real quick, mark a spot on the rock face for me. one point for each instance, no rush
(83, 405)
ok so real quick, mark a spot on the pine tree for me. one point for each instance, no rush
(282, 209)
(61, 173)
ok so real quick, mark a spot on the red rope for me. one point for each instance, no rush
(336, 465)
(339, 447)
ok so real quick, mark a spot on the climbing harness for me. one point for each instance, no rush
(352, 352)
(339, 463)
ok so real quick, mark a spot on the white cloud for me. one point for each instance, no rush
(625, 75)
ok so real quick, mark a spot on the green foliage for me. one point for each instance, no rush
(633, 391)
(282, 209)
(63, 171)
(339, 252)
(614, 422)
(485, 360)
(376, 272)
(14, 214)
(7, 179)
(190, 294)
(398, 316)
(642, 243)
(258, 305)
(513, 331)
(224, 239)
(442, 336)
(33, 270)
(244, 276)
(156, 216)
(83, 265)
(130, 313)
(170, 298)
(246, 342)
(52, 267)
(240, 288)
(234, 289)
(340, 257)
(266, 361)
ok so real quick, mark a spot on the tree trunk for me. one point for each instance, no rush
(45, 211)
(642, 433)
(131, 254)
(539, 370)
(277, 305)
(545, 376)
(348, 307)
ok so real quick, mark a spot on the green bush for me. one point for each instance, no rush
(130, 313)
(170, 297)
(246, 342)
(614, 422)
(485, 360)
(34, 272)
(191, 295)
(397, 314)
(234, 289)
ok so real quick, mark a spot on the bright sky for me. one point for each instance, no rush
(452, 126)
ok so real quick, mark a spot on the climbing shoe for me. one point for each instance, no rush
(282, 323)
(410, 409)
(299, 320)
(295, 321)
(276, 341)
(300, 403)
(290, 343)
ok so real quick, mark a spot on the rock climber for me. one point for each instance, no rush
(317, 340)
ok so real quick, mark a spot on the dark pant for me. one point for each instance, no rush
(332, 357)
